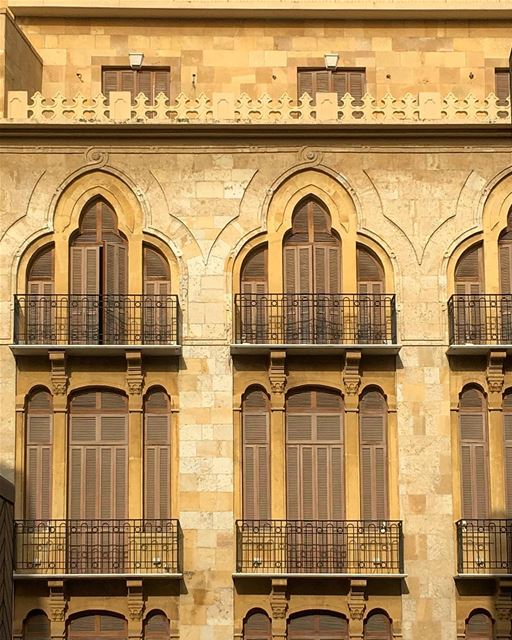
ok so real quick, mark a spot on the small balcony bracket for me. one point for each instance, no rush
(495, 374)
(357, 601)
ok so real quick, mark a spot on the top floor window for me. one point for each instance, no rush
(339, 81)
(502, 84)
(150, 82)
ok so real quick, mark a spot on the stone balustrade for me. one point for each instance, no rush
(226, 108)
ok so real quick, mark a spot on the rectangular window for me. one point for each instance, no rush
(150, 82)
(502, 84)
(340, 81)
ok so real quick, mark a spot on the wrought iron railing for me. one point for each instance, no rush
(83, 547)
(315, 318)
(480, 318)
(95, 319)
(484, 546)
(353, 547)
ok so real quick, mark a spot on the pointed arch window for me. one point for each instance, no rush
(256, 455)
(474, 453)
(479, 626)
(377, 626)
(157, 288)
(253, 287)
(505, 256)
(37, 626)
(371, 317)
(99, 277)
(156, 626)
(157, 455)
(373, 455)
(40, 304)
(257, 626)
(318, 626)
(38, 460)
(470, 317)
(97, 626)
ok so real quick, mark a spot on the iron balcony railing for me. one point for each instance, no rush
(91, 547)
(352, 547)
(480, 318)
(95, 319)
(315, 318)
(484, 547)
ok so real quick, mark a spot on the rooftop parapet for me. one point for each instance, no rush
(226, 108)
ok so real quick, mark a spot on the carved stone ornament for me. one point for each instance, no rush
(503, 603)
(97, 157)
(277, 372)
(279, 599)
(135, 599)
(58, 376)
(310, 155)
(57, 601)
(495, 374)
(134, 373)
(351, 372)
(357, 599)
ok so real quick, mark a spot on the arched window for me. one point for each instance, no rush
(507, 432)
(505, 256)
(470, 319)
(318, 626)
(105, 625)
(254, 276)
(40, 307)
(156, 626)
(479, 626)
(474, 453)
(256, 455)
(99, 277)
(157, 287)
(373, 455)
(469, 271)
(370, 274)
(314, 455)
(38, 460)
(371, 316)
(377, 626)
(98, 455)
(312, 261)
(36, 626)
(254, 304)
(257, 626)
(157, 455)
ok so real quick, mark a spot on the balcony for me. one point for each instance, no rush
(95, 323)
(479, 322)
(484, 547)
(334, 548)
(315, 322)
(91, 548)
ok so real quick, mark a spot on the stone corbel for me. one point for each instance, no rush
(277, 371)
(503, 607)
(58, 601)
(58, 376)
(357, 599)
(495, 374)
(352, 372)
(135, 597)
(279, 598)
(134, 373)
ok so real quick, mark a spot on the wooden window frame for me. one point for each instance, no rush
(150, 68)
(340, 70)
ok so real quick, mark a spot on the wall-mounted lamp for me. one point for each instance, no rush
(331, 60)
(135, 59)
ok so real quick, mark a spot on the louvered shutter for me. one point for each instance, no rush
(156, 627)
(253, 287)
(373, 456)
(479, 627)
(38, 461)
(115, 286)
(507, 432)
(505, 257)
(150, 82)
(157, 286)
(469, 314)
(110, 81)
(40, 310)
(502, 85)
(97, 627)
(257, 626)
(256, 456)
(474, 454)
(37, 627)
(340, 81)
(157, 456)
(371, 324)
(468, 272)
(377, 627)
(317, 626)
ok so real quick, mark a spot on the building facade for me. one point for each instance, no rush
(256, 318)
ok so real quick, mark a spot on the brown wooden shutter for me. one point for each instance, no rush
(314, 456)
(150, 82)
(505, 258)
(507, 432)
(37, 626)
(469, 271)
(85, 270)
(254, 276)
(377, 627)
(38, 460)
(257, 626)
(373, 456)
(340, 81)
(156, 627)
(96, 627)
(479, 627)
(157, 456)
(41, 272)
(474, 454)
(256, 456)
(317, 626)
(502, 85)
